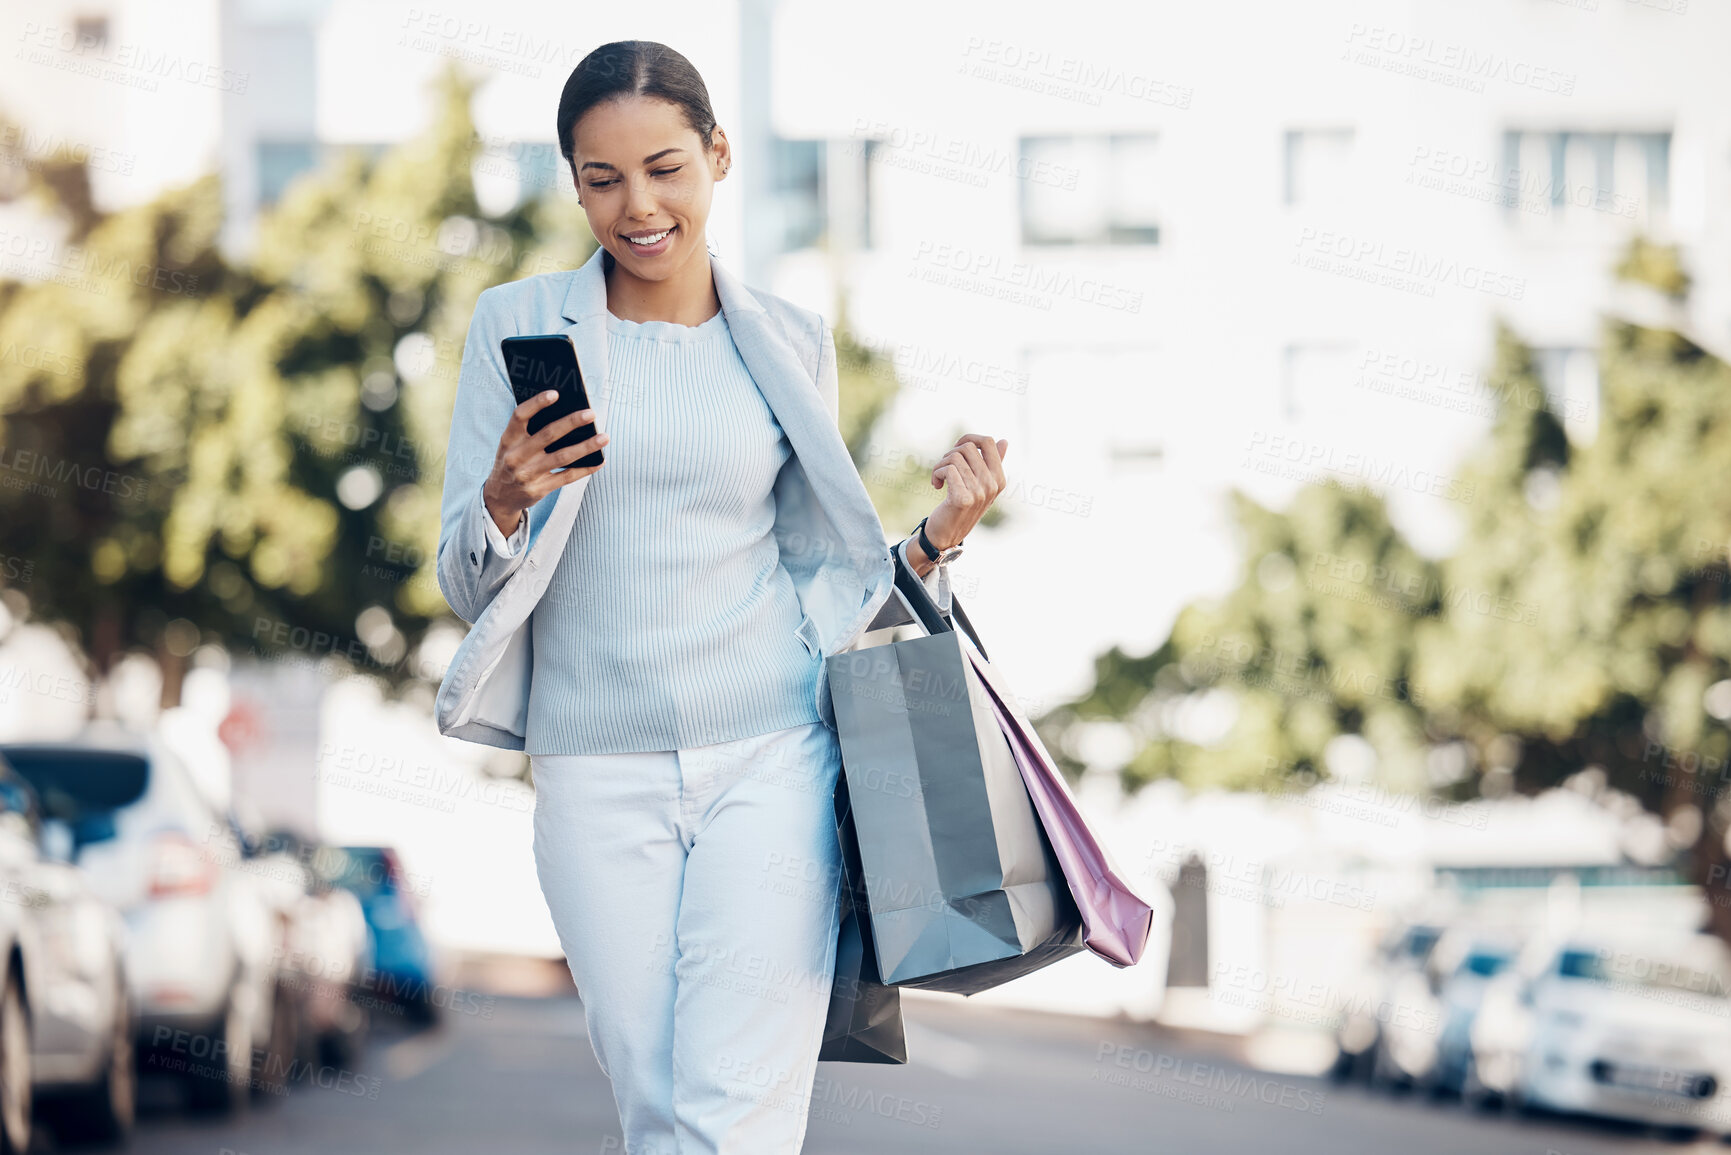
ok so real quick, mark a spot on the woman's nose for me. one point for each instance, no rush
(641, 200)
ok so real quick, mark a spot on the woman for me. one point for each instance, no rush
(675, 718)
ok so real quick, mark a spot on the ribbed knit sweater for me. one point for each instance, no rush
(669, 620)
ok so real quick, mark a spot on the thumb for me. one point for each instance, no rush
(1003, 448)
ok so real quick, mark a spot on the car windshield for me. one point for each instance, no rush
(1656, 971)
(1416, 944)
(72, 781)
(366, 871)
(1485, 963)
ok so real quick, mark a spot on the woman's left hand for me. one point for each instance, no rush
(971, 475)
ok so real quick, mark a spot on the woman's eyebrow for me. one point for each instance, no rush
(650, 159)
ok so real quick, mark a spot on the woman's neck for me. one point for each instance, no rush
(687, 297)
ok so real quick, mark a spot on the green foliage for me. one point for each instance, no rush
(235, 401)
(1579, 623)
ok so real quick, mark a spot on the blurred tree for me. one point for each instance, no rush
(1581, 627)
(252, 455)
(1316, 642)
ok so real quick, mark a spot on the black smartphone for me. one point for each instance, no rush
(536, 364)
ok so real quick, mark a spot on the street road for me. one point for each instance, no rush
(518, 1078)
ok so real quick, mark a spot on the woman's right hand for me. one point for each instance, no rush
(523, 470)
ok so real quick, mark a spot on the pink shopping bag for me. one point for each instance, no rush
(1115, 920)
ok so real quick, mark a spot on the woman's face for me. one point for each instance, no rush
(643, 173)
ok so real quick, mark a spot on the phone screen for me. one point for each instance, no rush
(536, 364)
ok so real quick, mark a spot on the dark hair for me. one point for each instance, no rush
(634, 68)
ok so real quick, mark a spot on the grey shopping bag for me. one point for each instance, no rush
(865, 1016)
(962, 890)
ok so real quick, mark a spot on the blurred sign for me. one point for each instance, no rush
(242, 728)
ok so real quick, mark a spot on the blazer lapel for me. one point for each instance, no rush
(793, 397)
(781, 378)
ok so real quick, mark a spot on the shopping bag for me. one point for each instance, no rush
(864, 1024)
(1116, 921)
(962, 888)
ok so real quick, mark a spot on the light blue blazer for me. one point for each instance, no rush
(831, 541)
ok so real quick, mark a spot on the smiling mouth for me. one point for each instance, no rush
(644, 240)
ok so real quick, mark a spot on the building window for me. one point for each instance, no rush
(798, 198)
(91, 33)
(1313, 373)
(822, 194)
(279, 162)
(1104, 191)
(1578, 176)
(1318, 166)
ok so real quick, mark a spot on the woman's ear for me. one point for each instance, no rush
(723, 154)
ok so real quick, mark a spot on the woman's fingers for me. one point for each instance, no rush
(571, 453)
(990, 455)
(554, 430)
(520, 416)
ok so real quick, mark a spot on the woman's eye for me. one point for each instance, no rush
(668, 171)
(599, 183)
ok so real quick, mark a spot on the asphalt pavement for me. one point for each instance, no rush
(516, 1076)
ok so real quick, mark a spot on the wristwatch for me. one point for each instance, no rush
(932, 552)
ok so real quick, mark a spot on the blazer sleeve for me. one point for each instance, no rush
(470, 570)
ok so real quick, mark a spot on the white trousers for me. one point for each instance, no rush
(696, 895)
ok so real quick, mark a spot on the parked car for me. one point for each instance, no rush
(327, 954)
(1638, 1030)
(1461, 974)
(199, 938)
(401, 967)
(66, 1018)
(1392, 986)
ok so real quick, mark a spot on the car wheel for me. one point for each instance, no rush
(282, 1047)
(104, 1112)
(220, 1085)
(15, 1075)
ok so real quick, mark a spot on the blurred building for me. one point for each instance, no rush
(1165, 250)
(1217, 248)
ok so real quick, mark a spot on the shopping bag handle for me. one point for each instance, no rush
(919, 601)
